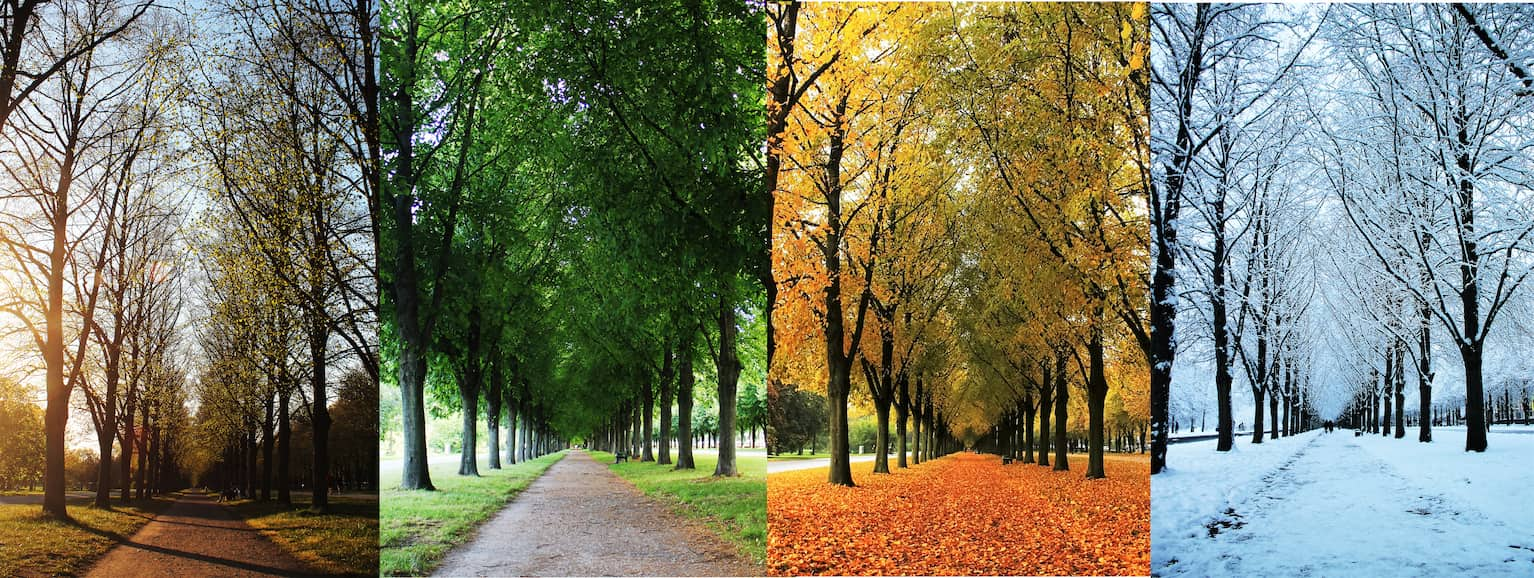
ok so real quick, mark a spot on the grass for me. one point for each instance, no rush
(343, 542)
(416, 529)
(733, 508)
(33, 544)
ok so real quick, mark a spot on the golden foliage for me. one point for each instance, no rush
(964, 514)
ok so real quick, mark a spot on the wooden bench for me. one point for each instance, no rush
(1005, 460)
(620, 457)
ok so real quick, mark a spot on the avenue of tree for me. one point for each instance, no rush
(186, 225)
(958, 228)
(1341, 209)
(575, 228)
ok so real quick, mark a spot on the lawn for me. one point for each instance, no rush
(416, 529)
(734, 508)
(32, 544)
(344, 541)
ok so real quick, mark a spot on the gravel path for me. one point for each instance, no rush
(580, 519)
(197, 536)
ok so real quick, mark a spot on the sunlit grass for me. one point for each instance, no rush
(416, 528)
(733, 508)
(344, 541)
(34, 544)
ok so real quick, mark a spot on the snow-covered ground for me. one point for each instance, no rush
(1339, 505)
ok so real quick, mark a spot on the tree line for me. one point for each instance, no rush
(1322, 212)
(955, 225)
(171, 224)
(575, 222)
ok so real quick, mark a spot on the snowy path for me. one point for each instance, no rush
(1336, 508)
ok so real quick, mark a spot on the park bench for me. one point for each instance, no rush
(620, 457)
(1005, 460)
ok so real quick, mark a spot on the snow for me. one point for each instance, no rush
(1338, 505)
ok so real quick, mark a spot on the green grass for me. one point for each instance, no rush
(734, 508)
(344, 541)
(416, 529)
(33, 544)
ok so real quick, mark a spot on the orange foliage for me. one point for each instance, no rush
(964, 514)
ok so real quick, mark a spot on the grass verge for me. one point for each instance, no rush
(416, 529)
(33, 544)
(733, 508)
(342, 542)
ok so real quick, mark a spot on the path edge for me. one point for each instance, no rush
(704, 522)
(431, 566)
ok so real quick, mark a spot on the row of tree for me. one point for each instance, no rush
(1340, 201)
(287, 242)
(956, 224)
(180, 232)
(576, 220)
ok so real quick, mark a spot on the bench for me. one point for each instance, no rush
(1005, 460)
(620, 457)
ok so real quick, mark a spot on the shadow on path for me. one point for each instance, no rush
(197, 536)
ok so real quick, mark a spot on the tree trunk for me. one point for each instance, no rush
(319, 417)
(1062, 403)
(125, 440)
(728, 371)
(468, 396)
(902, 411)
(1400, 389)
(1225, 429)
(493, 411)
(104, 468)
(882, 437)
(1028, 430)
(648, 395)
(684, 379)
(1273, 415)
(1257, 429)
(1097, 396)
(284, 444)
(144, 416)
(511, 425)
(268, 445)
(667, 373)
(1046, 403)
(1475, 411)
(1165, 211)
(1286, 417)
(916, 411)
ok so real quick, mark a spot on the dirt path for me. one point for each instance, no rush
(196, 536)
(580, 519)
